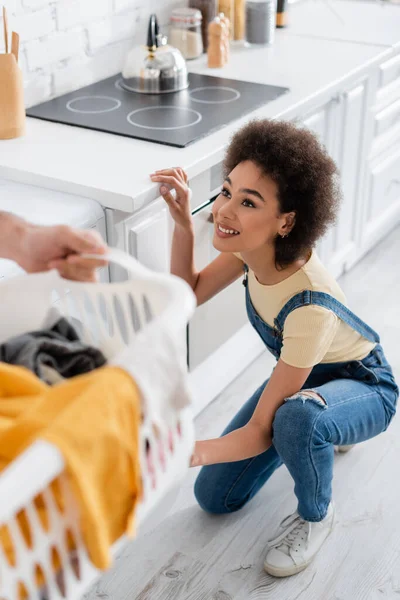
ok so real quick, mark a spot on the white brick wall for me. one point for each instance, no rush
(33, 25)
(70, 14)
(67, 44)
(54, 48)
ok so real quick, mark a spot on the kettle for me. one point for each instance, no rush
(159, 70)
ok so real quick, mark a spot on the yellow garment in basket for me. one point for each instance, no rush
(94, 420)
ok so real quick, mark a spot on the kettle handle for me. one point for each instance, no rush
(152, 31)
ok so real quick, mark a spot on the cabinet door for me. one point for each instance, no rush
(149, 238)
(352, 132)
(382, 210)
(320, 122)
(342, 126)
(216, 321)
(381, 200)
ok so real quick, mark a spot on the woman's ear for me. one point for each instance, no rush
(290, 220)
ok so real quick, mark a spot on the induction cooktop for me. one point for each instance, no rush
(175, 119)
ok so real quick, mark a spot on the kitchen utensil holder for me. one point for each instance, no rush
(12, 109)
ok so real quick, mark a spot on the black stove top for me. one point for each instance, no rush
(175, 119)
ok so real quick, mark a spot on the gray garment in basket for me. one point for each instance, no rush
(58, 348)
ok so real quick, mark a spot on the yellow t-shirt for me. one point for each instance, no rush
(312, 334)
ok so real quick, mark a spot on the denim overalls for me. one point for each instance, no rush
(358, 402)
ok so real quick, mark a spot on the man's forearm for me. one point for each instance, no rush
(246, 442)
(12, 230)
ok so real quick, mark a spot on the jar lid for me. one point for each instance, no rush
(186, 15)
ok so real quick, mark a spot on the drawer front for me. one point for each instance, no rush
(389, 71)
(387, 118)
(384, 186)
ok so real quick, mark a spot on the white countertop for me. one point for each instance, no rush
(114, 170)
(364, 22)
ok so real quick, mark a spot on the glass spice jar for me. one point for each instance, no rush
(185, 32)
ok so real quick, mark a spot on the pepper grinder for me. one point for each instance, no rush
(216, 51)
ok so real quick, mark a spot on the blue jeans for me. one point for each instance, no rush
(359, 402)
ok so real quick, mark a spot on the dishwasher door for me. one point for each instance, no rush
(216, 321)
(43, 206)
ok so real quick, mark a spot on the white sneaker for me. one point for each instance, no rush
(343, 449)
(297, 544)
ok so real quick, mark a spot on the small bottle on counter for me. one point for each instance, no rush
(260, 22)
(281, 13)
(209, 10)
(185, 32)
(240, 16)
(216, 49)
(228, 8)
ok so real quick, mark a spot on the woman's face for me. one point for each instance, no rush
(247, 206)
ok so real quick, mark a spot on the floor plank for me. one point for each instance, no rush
(194, 556)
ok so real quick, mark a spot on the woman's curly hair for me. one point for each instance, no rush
(306, 176)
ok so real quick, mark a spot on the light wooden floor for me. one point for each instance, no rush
(194, 556)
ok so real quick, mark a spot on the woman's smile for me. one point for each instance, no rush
(225, 232)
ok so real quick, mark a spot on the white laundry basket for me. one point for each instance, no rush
(111, 315)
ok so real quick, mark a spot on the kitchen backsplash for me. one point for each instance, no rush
(67, 44)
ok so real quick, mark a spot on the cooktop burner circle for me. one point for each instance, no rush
(214, 94)
(93, 104)
(179, 117)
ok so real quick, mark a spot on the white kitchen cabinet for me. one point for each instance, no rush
(149, 240)
(146, 235)
(381, 208)
(360, 128)
(216, 321)
(354, 132)
(345, 126)
(321, 122)
(384, 186)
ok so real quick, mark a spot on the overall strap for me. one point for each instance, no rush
(324, 300)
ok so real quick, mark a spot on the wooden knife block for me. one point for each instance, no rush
(12, 109)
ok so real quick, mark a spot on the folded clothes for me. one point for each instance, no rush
(57, 349)
(94, 420)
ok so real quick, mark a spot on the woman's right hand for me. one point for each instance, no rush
(179, 207)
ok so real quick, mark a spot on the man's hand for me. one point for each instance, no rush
(60, 247)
